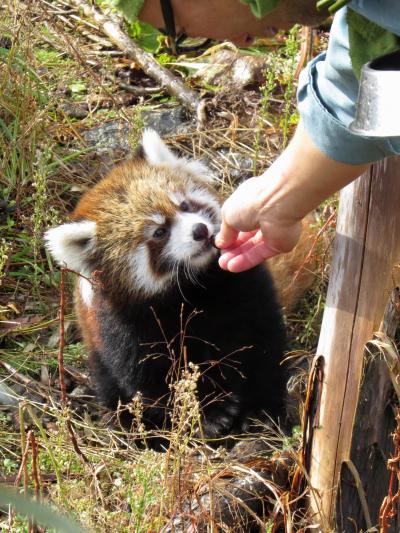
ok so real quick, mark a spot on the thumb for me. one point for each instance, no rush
(226, 236)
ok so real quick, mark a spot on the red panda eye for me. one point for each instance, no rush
(184, 206)
(160, 233)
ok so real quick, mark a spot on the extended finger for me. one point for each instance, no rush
(248, 254)
(250, 257)
(241, 238)
(236, 247)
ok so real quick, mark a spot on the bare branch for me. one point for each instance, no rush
(110, 24)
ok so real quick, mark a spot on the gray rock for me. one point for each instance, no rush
(114, 135)
(7, 396)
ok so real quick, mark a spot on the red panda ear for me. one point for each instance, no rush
(155, 150)
(71, 244)
(156, 153)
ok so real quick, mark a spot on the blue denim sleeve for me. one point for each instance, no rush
(326, 100)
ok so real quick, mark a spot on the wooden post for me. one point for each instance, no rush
(366, 250)
(365, 479)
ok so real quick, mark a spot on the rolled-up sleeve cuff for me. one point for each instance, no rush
(329, 134)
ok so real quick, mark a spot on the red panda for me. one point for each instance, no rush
(148, 228)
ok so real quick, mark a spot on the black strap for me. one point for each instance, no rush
(175, 40)
(169, 18)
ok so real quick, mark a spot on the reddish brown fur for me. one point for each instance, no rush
(293, 273)
(135, 182)
(122, 204)
(88, 323)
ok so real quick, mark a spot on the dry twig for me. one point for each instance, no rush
(383, 341)
(35, 466)
(390, 505)
(305, 51)
(62, 370)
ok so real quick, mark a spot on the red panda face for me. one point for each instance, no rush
(150, 223)
(176, 236)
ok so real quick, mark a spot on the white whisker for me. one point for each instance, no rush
(176, 267)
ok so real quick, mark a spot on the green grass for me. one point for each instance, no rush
(43, 168)
(50, 58)
(277, 113)
(289, 116)
(25, 121)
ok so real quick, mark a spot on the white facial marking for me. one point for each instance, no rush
(71, 243)
(142, 275)
(157, 218)
(200, 170)
(181, 245)
(158, 154)
(176, 197)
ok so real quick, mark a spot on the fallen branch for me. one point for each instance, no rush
(110, 24)
(15, 374)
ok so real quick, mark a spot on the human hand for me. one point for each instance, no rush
(251, 232)
(251, 248)
(262, 218)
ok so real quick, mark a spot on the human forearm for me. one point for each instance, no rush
(297, 182)
(301, 178)
(262, 217)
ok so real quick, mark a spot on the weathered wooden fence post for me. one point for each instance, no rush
(366, 250)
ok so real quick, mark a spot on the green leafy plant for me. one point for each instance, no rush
(146, 36)
(290, 51)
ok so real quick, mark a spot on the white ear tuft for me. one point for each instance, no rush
(157, 153)
(71, 243)
(200, 170)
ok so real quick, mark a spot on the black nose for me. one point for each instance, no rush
(200, 232)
